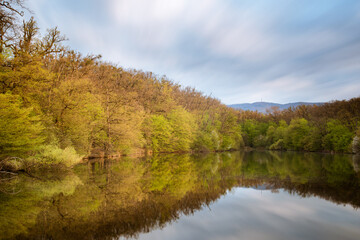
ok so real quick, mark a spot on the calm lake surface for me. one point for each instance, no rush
(238, 195)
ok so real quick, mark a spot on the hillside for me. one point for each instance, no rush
(262, 106)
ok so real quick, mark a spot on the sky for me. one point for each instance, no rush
(238, 51)
(246, 213)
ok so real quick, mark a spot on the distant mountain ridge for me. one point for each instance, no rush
(262, 106)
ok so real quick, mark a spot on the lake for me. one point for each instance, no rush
(237, 195)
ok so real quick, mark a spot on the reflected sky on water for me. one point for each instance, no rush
(246, 213)
(239, 195)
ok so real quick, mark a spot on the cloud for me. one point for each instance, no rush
(252, 214)
(238, 51)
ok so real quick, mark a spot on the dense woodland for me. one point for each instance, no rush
(332, 127)
(54, 101)
(57, 105)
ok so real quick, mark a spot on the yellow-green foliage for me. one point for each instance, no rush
(80, 114)
(207, 135)
(338, 137)
(29, 202)
(174, 175)
(126, 134)
(159, 133)
(92, 106)
(230, 132)
(30, 80)
(297, 134)
(300, 134)
(133, 195)
(52, 154)
(20, 127)
(183, 129)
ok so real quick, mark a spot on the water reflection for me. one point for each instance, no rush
(129, 197)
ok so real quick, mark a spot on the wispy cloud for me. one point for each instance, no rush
(240, 51)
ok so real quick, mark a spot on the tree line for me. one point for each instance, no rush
(57, 105)
(333, 126)
(55, 101)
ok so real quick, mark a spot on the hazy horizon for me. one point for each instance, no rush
(237, 51)
(271, 102)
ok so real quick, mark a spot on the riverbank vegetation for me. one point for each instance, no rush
(57, 105)
(56, 102)
(332, 127)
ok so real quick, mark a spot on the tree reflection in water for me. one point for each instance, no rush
(106, 199)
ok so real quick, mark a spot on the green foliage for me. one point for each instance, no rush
(297, 134)
(31, 201)
(254, 133)
(52, 154)
(28, 80)
(250, 132)
(338, 137)
(92, 106)
(230, 132)
(260, 141)
(300, 135)
(207, 141)
(174, 175)
(278, 145)
(207, 136)
(174, 133)
(20, 127)
(183, 129)
(327, 127)
(131, 195)
(126, 133)
(314, 140)
(280, 131)
(270, 134)
(159, 133)
(339, 170)
(79, 114)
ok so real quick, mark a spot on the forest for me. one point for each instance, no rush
(330, 127)
(58, 106)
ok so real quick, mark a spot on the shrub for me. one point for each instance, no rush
(260, 141)
(278, 145)
(52, 154)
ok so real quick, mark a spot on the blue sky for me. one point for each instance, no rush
(237, 51)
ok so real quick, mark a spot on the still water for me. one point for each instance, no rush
(239, 195)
